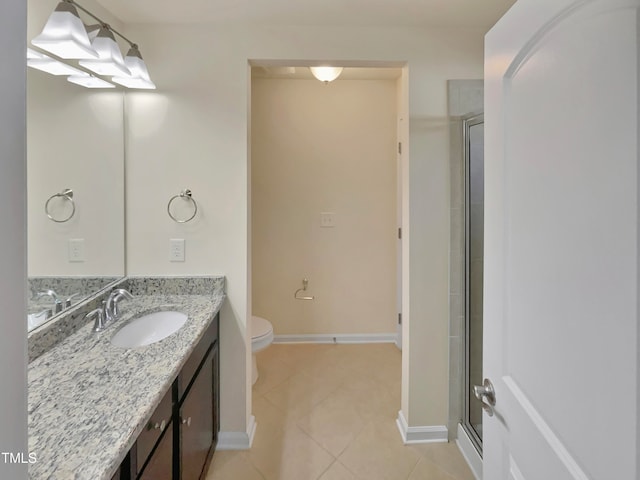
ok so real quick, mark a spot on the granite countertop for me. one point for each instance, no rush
(89, 400)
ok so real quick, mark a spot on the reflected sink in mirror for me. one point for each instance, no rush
(148, 329)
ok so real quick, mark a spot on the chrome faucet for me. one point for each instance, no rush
(111, 307)
(108, 312)
(56, 301)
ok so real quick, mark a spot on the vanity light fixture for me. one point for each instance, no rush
(139, 77)
(40, 61)
(109, 61)
(66, 36)
(326, 74)
(89, 81)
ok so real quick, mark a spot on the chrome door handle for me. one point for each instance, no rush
(487, 395)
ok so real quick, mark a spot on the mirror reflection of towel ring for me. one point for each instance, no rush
(66, 194)
(185, 194)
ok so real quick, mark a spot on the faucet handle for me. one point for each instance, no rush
(58, 306)
(98, 313)
(67, 302)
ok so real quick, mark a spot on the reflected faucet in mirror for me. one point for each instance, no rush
(57, 303)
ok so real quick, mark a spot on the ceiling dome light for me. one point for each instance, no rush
(110, 60)
(139, 77)
(326, 74)
(64, 34)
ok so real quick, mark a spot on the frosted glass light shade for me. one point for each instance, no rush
(64, 34)
(89, 81)
(326, 74)
(139, 77)
(109, 60)
(47, 64)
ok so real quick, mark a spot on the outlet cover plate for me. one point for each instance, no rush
(176, 250)
(327, 220)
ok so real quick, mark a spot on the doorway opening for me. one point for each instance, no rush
(326, 202)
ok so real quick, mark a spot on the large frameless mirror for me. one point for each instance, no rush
(75, 187)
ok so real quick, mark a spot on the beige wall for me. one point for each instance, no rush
(324, 148)
(193, 133)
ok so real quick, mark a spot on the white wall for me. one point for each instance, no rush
(192, 133)
(324, 148)
(13, 239)
(74, 140)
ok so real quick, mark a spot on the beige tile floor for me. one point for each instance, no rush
(327, 412)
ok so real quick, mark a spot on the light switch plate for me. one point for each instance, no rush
(76, 250)
(176, 250)
(327, 220)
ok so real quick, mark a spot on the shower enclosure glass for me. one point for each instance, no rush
(474, 235)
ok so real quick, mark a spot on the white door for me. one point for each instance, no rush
(561, 241)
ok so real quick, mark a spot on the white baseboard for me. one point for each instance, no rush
(469, 452)
(426, 434)
(238, 440)
(337, 338)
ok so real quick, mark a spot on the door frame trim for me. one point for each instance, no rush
(467, 122)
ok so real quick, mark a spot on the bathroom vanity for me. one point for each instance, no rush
(180, 436)
(101, 412)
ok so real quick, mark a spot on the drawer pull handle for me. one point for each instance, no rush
(186, 422)
(157, 426)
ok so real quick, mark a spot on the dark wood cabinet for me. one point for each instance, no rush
(180, 438)
(196, 428)
(156, 427)
(160, 464)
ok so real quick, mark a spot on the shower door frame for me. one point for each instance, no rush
(468, 122)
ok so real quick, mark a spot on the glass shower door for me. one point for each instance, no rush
(474, 245)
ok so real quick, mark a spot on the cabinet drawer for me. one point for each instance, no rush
(194, 361)
(153, 430)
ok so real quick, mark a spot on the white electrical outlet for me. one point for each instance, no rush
(327, 220)
(176, 250)
(76, 249)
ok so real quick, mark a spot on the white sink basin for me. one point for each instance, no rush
(148, 329)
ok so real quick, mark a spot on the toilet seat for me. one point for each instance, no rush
(261, 333)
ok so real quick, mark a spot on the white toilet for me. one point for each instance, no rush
(261, 338)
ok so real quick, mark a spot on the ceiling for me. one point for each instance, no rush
(415, 13)
(303, 73)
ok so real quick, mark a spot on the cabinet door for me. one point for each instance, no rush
(196, 417)
(215, 356)
(160, 466)
(116, 476)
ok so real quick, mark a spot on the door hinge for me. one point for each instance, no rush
(399, 319)
(400, 233)
(400, 148)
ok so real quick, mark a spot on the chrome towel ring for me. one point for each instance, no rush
(67, 195)
(186, 195)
